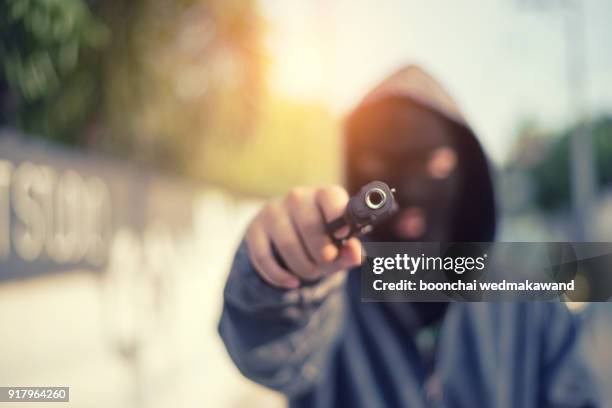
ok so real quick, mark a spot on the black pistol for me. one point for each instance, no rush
(373, 204)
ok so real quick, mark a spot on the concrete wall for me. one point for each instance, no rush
(111, 282)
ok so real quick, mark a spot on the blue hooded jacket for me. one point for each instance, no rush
(322, 347)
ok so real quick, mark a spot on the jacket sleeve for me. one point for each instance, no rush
(280, 338)
(566, 377)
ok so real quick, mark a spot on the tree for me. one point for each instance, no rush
(147, 79)
(550, 175)
(50, 52)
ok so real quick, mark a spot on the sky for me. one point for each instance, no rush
(504, 61)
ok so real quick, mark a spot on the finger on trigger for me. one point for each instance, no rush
(350, 257)
(332, 203)
(351, 252)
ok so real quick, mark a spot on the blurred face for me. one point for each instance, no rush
(411, 149)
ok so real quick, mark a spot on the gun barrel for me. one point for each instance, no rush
(374, 203)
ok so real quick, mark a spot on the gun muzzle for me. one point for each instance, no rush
(374, 203)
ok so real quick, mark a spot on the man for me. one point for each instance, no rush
(292, 317)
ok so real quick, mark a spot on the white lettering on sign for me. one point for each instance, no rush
(64, 216)
(28, 188)
(98, 220)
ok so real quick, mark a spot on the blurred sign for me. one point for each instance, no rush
(62, 210)
(139, 264)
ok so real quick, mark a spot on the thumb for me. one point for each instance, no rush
(350, 254)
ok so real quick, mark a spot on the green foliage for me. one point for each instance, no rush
(178, 75)
(175, 85)
(149, 80)
(49, 52)
(551, 175)
(602, 135)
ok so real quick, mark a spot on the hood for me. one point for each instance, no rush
(475, 218)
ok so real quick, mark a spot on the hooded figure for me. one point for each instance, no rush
(321, 347)
(409, 133)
